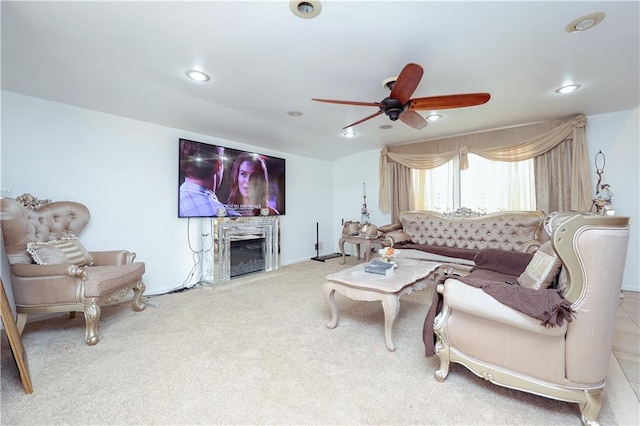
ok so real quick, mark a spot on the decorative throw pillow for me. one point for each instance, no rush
(542, 270)
(57, 252)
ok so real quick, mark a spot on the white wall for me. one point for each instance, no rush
(350, 173)
(615, 134)
(126, 172)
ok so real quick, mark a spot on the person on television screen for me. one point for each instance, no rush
(202, 167)
(250, 185)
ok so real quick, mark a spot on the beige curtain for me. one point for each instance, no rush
(497, 145)
(402, 188)
(553, 178)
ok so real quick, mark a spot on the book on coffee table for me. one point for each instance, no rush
(379, 267)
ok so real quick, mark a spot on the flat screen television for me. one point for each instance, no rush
(214, 180)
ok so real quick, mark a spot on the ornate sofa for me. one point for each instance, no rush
(455, 239)
(567, 360)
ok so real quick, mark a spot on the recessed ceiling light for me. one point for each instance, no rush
(349, 134)
(197, 75)
(295, 113)
(585, 22)
(568, 88)
(305, 9)
(386, 126)
(388, 83)
(434, 117)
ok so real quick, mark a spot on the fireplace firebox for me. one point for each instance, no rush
(247, 256)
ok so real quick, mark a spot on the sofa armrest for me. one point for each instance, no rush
(474, 301)
(397, 237)
(112, 257)
(390, 227)
(531, 246)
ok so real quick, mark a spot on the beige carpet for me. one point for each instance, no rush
(256, 351)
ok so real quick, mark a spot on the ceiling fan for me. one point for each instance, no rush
(399, 105)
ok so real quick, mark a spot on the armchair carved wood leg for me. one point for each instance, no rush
(91, 316)
(137, 302)
(442, 349)
(443, 352)
(591, 407)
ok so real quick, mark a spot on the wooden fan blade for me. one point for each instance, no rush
(333, 101)
(413, 119)
(406, 83)
(364, 119)
(449, 101)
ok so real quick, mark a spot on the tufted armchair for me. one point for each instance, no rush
(52, 272)
(568, 361)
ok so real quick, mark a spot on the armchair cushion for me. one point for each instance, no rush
(67, 250)
(477, 302)
(103, 279)
(542, 270)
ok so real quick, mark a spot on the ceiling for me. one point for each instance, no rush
(130, 58)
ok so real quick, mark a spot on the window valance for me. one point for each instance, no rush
(497, 145)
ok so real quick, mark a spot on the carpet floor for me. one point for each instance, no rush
(256, 350)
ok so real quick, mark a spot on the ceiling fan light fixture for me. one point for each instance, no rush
(394, 113)
(197, 75)
(305, 9)
(434, 117)
(568, 88)
(585, 22)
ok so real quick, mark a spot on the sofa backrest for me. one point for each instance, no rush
(53, 221)
(509, 230)
(593, 250)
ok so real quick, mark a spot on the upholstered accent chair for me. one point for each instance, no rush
(52, 272)
(568, 362)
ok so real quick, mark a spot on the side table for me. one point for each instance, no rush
(366, 244)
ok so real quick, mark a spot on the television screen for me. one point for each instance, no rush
(218, 181)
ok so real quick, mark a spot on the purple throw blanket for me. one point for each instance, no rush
(549, 306)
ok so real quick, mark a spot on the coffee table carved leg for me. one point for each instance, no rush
(330, 297)
(391, 307)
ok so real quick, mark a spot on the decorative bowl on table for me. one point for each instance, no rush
(388, 254)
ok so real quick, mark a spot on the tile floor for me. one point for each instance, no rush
(623, 383)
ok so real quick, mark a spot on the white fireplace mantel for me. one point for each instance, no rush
(224, 230)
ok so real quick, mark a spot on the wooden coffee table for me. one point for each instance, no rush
(354, 283)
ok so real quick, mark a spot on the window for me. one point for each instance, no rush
(486, 186)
